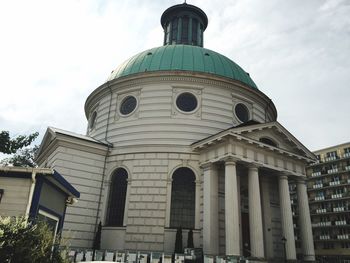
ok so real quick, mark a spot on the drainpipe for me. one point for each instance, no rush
(109, 146)
(31, 192)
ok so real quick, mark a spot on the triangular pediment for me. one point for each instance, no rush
(55, 135)
(270, 135)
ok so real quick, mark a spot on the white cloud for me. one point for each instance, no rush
(54, 53)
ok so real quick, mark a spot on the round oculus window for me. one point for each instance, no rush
(242, 112)
(128, 105)
(186, 102)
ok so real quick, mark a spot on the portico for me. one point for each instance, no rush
(252, 176)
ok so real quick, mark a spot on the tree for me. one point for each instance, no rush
(190, 239)
(23, 158)
(178, 241)
(10, 146)
(27, 242)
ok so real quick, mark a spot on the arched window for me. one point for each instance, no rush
(268, 141)
(183, 199)
(117, 197)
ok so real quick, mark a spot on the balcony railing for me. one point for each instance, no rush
(335, 196)
(339, 209)
(345, 236)
(323, 237)
(321, 210)
(316, 174)
(340, 222)
(318, 224)
(319, 198)
(317, 186)
(334, 183)
(346, 155)
(332, 171)
(330, 158)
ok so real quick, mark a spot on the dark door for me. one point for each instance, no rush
(245, 234)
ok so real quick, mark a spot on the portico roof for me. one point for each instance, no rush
(250, 134)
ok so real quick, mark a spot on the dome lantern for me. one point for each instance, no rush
(184, 24)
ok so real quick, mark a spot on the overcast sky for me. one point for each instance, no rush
(53, 54)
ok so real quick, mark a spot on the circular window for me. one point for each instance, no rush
(186, 102)
(242, 112)
(128, 105)
(93, 120)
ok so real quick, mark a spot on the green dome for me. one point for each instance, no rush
(182, 58)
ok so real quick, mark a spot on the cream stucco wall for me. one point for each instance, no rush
(16, 196)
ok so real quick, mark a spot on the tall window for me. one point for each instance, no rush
(117, 197)
(183, 199)
(184, 33)
(174, 30)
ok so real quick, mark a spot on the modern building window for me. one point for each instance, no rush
(183, 195)
(242, 112)
(117, 198)
(128, 105)
(186, 102)
(268, 141)
(92, 120)
(51, 220)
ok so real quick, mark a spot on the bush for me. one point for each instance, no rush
(27, 242)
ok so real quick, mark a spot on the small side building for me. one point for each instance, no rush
(35, 192)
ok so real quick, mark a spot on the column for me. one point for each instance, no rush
(210, 211)
(168, 204)
(307, 243)
(287, 218)
(255, 218)
(232, 230)
(266, 207)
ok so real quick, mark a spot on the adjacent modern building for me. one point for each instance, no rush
(36, 193)
(181, 136)
(329, 199)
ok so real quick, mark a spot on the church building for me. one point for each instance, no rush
(181, 136)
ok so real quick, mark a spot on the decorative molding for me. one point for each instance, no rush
(168, 76)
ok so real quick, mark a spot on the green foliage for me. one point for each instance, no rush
(27, 242)
(190, 239)
(10, 146)
(23, 158)
(178, 241)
